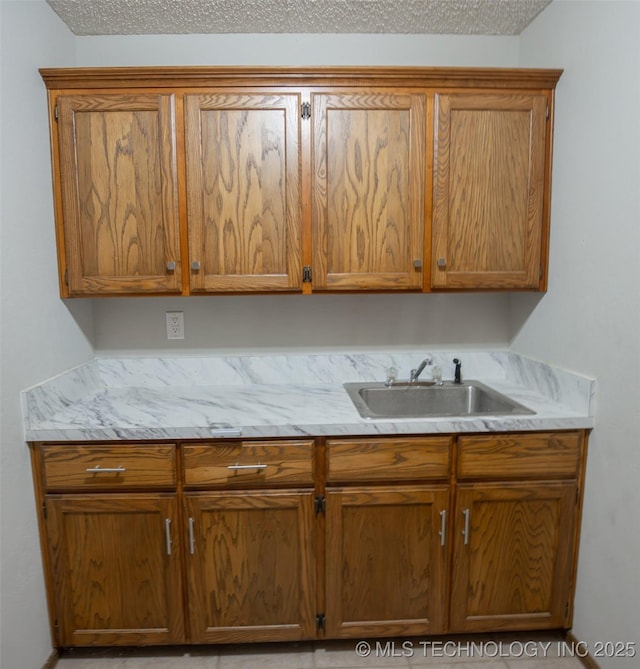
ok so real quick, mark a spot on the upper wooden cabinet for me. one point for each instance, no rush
(116, 170)
(243, 191)
(368, 190)
(223, 180)
(489, 189)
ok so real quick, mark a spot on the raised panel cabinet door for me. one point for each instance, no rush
(513, 556)
(488, 224)
(251, 566)
(368, 190)
(243, 192)
(116, 567)
(118, 180)
(386, 560)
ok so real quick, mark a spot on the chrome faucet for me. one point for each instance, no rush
(415, 373)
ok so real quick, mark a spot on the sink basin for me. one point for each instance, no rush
(423, 400)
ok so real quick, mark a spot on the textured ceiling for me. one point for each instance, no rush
(445, 17)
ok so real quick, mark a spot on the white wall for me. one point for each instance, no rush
(244, 323)
(590, 319)
(40, 335)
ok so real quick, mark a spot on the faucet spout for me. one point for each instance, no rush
(415, 373)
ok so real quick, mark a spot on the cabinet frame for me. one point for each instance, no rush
(305, 260)
(506, 466)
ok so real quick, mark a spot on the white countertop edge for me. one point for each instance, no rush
(471, 424)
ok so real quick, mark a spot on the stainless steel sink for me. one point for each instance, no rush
(423, 400)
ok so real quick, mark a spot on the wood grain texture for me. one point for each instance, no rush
(145, 466)
(385, 568)
(368, 190)
(287, 462)
(508, 456)
(514, 572)
(388, 459)
(205, 77)
(252, 573)
(119, 193)
(489, 190)
(114, 582)
(243, 190)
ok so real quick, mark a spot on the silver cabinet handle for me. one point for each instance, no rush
(171, 266)
(195, 265)
(105, 470)
(441, 262)
(237, 466)
(167, 534)
(465, 531)
(443, 527)
(417, 263)
(192, 542)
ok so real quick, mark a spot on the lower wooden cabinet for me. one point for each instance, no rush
(513, 556)
(116, 565)
(251, 565)
(386, 561)
(279, 540)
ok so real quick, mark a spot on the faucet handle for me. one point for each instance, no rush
(392, 375)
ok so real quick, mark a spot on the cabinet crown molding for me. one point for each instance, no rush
(207, 76)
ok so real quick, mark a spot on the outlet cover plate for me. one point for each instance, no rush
(175, 324)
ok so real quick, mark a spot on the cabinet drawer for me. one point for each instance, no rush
(99, 466)
(242, 463)
(543, 455)
(388, 459)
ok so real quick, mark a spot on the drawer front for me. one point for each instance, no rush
(243, 463)
(125, 466)
(543, 455)
(388, 459)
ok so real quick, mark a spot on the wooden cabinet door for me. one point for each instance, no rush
(368, 187)
(117, 170)
(386, 561)
(513, 556)
(243, 191)
(251, 566)
(116, 569)
(489, 223)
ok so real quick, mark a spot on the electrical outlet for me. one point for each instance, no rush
(175, 324)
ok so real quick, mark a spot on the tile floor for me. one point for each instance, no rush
(526, 651)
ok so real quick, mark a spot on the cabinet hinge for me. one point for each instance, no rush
(66, 277)
(44, 509)
(306, 110)
(320, 504)
(306, 274)
(320, 621)
(566, 609)
(55, 112)
(547, 111)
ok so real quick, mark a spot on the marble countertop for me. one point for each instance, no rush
(282, 396)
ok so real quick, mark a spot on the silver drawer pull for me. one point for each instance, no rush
(105, 470)
(237, 466)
